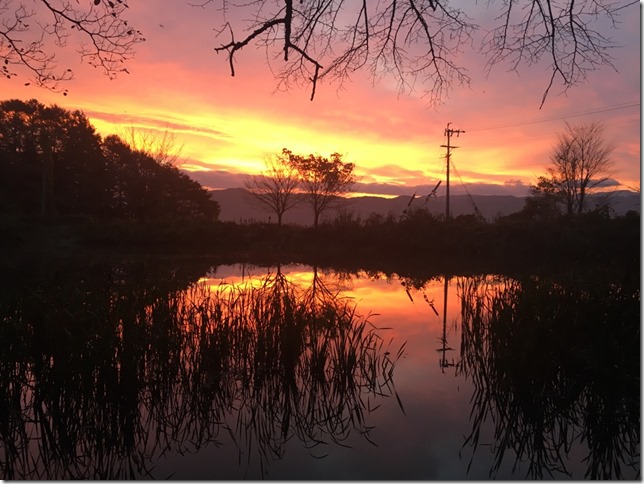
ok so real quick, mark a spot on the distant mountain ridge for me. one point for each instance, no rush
(237, 205)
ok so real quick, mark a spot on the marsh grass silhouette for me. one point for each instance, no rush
(102, 380)
(554, 363)
(303, 362)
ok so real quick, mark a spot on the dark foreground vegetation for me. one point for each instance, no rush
(110, 368)
(463, 244)
(554, 360)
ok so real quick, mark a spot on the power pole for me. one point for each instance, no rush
(448, 133)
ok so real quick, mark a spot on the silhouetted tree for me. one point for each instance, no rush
(144, 189)
(185, 197)
(22, 154)
(274, 189)
(544, 200)
(323, 180)
(579, 164)
(411, 40)
(162, 147)
(53, 161)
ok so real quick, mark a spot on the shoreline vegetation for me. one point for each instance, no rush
(418, 242)
(67, 193)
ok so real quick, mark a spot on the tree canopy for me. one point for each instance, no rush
(52, 161)
(415, 41)
(290, 179)
(323, 180)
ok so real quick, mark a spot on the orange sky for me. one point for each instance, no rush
(228, 125)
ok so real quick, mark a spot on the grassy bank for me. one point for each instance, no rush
(453, 246)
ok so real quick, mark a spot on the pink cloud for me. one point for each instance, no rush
(178, 81)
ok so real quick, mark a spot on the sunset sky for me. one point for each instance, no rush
(227, 125)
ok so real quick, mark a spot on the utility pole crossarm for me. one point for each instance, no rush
(448, 134)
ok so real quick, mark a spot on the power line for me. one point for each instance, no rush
(615, 107)
(476, 208)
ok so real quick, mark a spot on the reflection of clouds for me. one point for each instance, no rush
(237, 274)
(436, 404)
(432, 401)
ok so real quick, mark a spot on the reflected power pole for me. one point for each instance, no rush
(442, 362)
(448, 134)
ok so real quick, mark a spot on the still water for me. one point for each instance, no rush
(156, 371)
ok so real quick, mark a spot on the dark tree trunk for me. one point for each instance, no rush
(47, 201)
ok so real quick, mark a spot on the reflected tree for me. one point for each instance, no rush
(304, 363)
(74, 354)
(554, 363)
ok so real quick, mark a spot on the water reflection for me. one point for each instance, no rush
(105, 372)
(121, 370)
(445, 348)
(419, 285)
(555, 366)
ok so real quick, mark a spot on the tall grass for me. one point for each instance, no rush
(100, 382)
(555, 364)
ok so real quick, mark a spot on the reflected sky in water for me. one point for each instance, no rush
(424, 442)
(422, 427)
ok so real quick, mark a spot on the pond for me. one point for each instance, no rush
(190, 371)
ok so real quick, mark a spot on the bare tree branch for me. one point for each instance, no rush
(29, 37)
(418, 42)
(275, 188)
(161, 147)
(568, 35)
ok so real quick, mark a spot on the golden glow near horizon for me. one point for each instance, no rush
(229, 125)
(405, 163)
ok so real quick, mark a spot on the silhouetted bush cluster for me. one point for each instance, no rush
(513, 241)
(465, 244)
